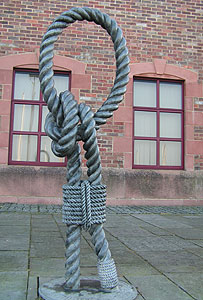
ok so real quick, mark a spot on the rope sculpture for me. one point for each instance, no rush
(69, 122)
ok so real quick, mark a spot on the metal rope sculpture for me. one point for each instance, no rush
(69, 122)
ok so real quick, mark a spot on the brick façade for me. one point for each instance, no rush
(170, 30)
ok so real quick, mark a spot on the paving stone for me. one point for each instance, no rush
(13, 261)
(147, 243)
(86, 245)
(43, 223)
(44, 239)
(45, 227)
(13, 285)
(13, 231)
(190, 282)
(86, 236)
(130, 231)
(149, 227)
(115, 220)
(14, 243)
(32, 288)
(48, 249)
(46, 222)
(197, 242)
(88, 259)
(194, 221)
(58, 219)
(62, 227)
(198, 252)
(179, 261)
(162, 221)
(49, 208)
(41, 233)
(139, 297)
(88, 271)
(15, 219)
(123, 256)
(109, 236)
(47, 266)
(139, 268)
(86, 251)
(180, 243)
(34, 208)
(62, 230)
(156, 230)
(116, 244)
(189, 233)
(158, 287)
(43, 217)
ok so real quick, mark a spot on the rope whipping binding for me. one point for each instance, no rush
(66, 124)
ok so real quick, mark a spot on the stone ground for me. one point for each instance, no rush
(159, 250)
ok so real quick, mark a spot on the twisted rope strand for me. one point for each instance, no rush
(94, 176)
(66, 144)
(72, 274)
(90, 144)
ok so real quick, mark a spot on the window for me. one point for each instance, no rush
(158, 124)
(28, 141)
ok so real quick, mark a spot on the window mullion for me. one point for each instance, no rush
(158, 127)
(38, 147)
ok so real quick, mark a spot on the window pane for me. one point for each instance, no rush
(27, 86)
(170, 153)
(171, 95)
(170, 125)
(26, 117)
(44, 114)
(144, 93)
(145, 123)
(144, 152)
(24, 148)
(46, 155)
(61, 83)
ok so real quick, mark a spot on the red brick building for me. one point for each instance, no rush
(152, 148)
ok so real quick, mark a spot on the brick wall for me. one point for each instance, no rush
(170, 30)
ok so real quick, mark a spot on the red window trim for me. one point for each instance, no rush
(157, 138)
(39, 133)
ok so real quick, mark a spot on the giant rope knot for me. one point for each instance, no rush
(69, 122)
(83, 204)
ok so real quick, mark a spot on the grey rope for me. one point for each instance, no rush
(64, 143)
(86, 205)
(108, 276)
(62, 125)
(46, 64)
(72, 274)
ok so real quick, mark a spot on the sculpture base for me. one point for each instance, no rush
(89, 289)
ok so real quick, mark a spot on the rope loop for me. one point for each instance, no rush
(46, 62)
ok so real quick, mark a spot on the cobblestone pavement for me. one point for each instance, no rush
(159, 250)
(33, 208)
